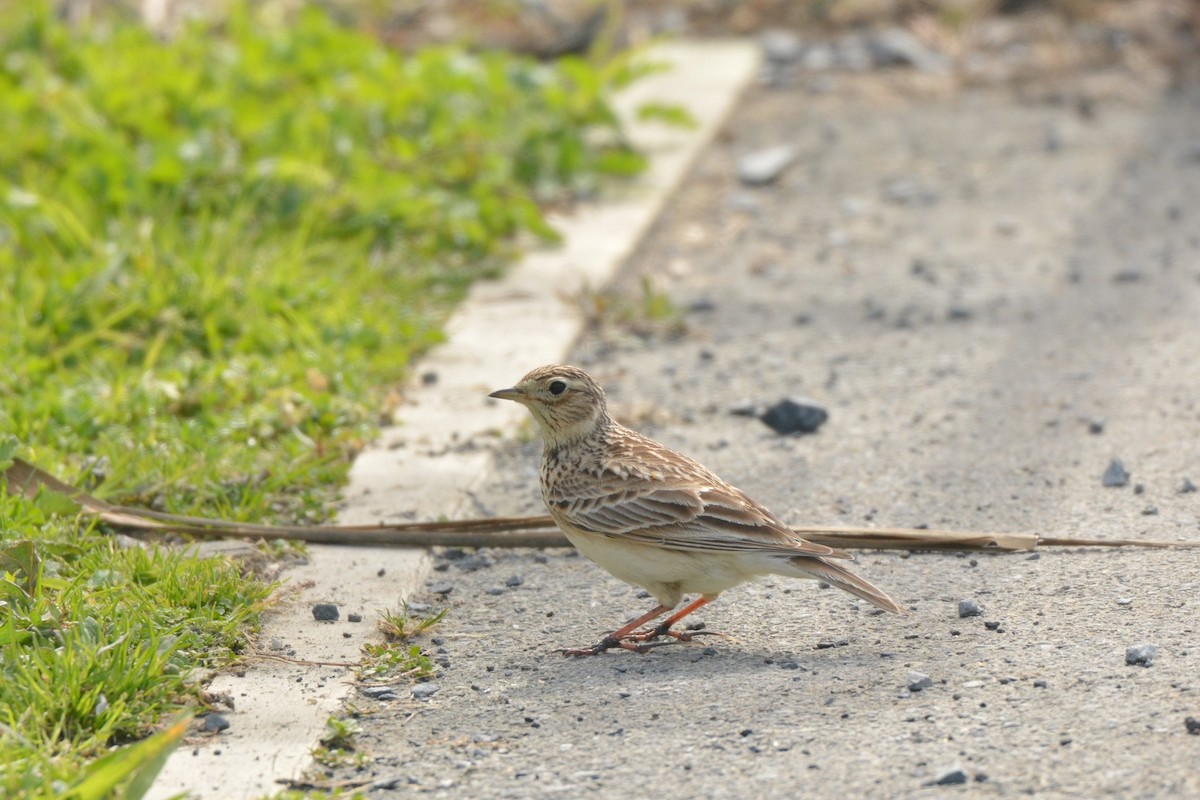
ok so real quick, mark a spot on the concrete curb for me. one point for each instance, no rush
(420, 468)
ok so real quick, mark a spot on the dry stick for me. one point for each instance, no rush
(536, 532)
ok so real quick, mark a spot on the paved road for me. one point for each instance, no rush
(966, 282)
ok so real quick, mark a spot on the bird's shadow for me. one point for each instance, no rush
(699, 660)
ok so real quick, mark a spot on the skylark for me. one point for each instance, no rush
(654, 517)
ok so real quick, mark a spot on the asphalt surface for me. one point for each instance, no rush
(994, 296)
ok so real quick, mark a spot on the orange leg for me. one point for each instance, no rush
(619, 637)
(628, 637)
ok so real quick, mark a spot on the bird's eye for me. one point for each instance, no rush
(557, 387)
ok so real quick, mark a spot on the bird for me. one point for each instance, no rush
(656, 518)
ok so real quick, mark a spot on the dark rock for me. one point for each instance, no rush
(354, 617)
(326, 612)
(429, 378)
(825, 644)
(951, 777)
(969, 608)
(1193, 726)
(1141, 655)
(494, 590)
(959, 313)
(1040, 683)
(1128, 275)
(1187, 487)
(442, 588)
(513, 581)
(918, 681)
(1095, 426)
(763, 167)
(993, 626)
(1116, 474)
(379, 692)
(794, 415)
(424, 691)
(1150, 511)
(215, 723)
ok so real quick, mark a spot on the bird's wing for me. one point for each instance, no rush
(711, 517)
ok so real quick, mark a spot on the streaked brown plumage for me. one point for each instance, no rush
(654, 517)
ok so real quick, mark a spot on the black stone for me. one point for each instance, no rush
(1141, 655)
(794, 416)
(969, 608)
(215, 723)
(1116, 474)
(326, 612)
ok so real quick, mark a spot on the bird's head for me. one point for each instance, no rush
(566, 402)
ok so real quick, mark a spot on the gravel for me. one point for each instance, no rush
(763, 167)
(950, 777)
(215, 723)
(969, 608)
(1116, 474)
(379, 692)
(794, 416)
(325, 612)
(918, 681)
(1141, 655)
(424, 691)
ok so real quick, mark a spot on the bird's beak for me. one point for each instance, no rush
(513, 393)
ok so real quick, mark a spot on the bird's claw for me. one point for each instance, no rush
(638, 642)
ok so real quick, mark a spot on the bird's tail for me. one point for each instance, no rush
(837, 575)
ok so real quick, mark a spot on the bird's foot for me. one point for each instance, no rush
(636, 642)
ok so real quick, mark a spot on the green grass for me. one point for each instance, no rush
(217, 255)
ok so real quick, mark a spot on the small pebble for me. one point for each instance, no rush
(424, 691)
(494, 590)
(993, 625)
(951, 777)
(794, 416)
(379, 692)
(1116, 474)
(1193, 726)
(1040, 683)
(1187, 487)
(513, 581)
(442, 588)
(918, 681)
(326, 612)
(1095, 426)
(763, 167)
(1150, 511)
(825, 644)
(215, 723)
(969, 608)
(354, 617)
(1124, 601)
(1141, 655)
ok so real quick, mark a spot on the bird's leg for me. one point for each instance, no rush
(664, 628)
(620, 637)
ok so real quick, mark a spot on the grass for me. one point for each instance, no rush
(217, 253)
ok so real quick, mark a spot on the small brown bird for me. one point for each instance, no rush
(654, 517)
